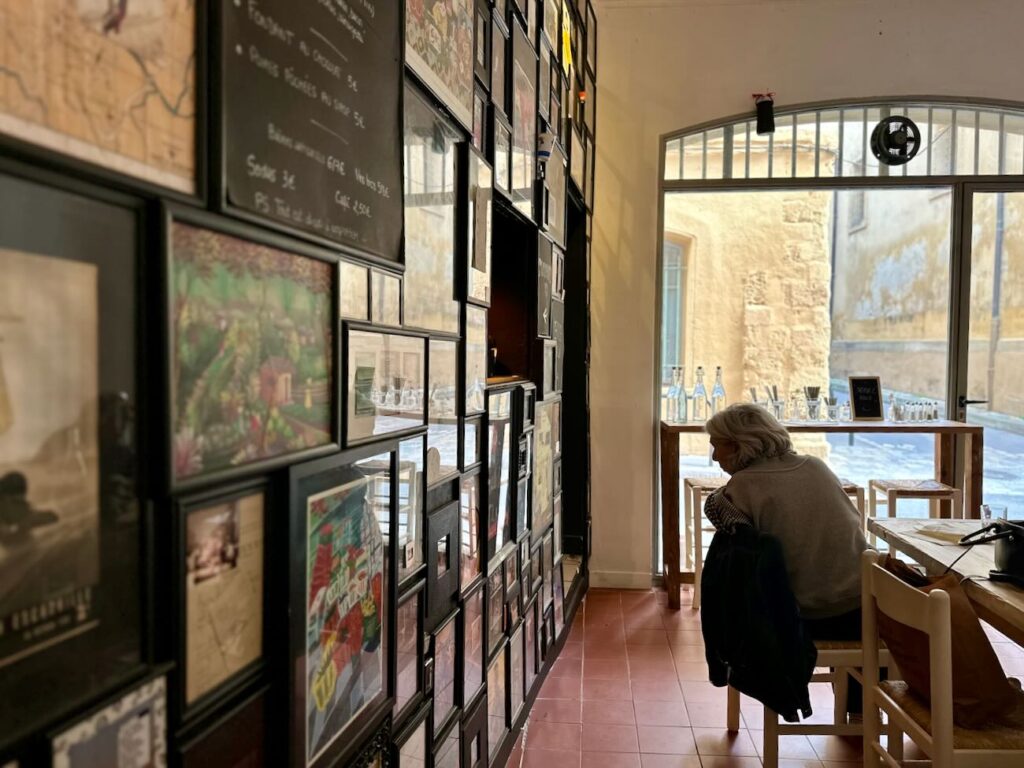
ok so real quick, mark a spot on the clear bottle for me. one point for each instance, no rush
(672, 398)
(699, 410)
(682, 398)
(717, 392)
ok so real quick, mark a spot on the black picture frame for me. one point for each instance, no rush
(523, 80)
(472, 443)
(376, 751)
(500, 472)
(591, 39)
(186, 447)
(79, 233)
(228, 571)
(348, 478)
(385, 298)
(544, 83)
(353, 291)
(475, 350)
(443, 35)
(444, 403)
(501, 141)
(447, 682)
(477, 190)
(480, 134)
(412, 483)
(474, 651)
(551, 17)
(474, 736)
(553, 219)
(447, 748)
(500, 55)
(408, 700)
(525, 569)
(482, 43)
(532, 646)
(495, 609)
(237, 738)
(471, 545)
(412, 744)
(360, 380)
(517, 674)
(866, 402)
(544, 257)
(497, 702)
(442, 544)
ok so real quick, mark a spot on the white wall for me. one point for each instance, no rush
(666, 65)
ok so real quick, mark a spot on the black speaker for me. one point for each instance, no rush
(765, 113)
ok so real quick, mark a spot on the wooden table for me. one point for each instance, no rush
(946, 435)
(1000, 604)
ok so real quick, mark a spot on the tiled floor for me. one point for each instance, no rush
(630, 690)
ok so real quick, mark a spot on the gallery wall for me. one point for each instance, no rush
(667, 66)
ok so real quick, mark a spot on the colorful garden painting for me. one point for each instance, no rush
(251, 352)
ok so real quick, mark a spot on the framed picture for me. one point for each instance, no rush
(430, 229)
(470, 561)
(376, 753)
(342, 533)
(555, 101)
(497, 703)
(384, 383)
(549, 22)
(71, 619)
(524, 122)
(525, 569)
(536, 565)
(482, 42)
(446, 748)
(499, 63)
(439, 50)
(409, 651)
(353, 291)
(480, 120)
(516, 674)
(411, 489)
(511, 569)
(555, 196)
(529, 404)
(530, 646)
(442, 568)
(544, 256)
(472, 450)
(221, 565)
(236, 739)
(476, 360)
(556, 516)
(474, 737)
(479, 184)
(590, 106)
(385, 298)
(502, 142)
(500, 520)
(411, 746)
(558, 335)
(444, 647)
(866, 398)
(556, 429)
(548, 566)
(523, 495)
(543, 460)
(130, 730)
(473, 656)
(550, 638)
(495, 609)
(544, 84)
(591, 40)
(246, 391)
(558, 589)
(577, 158)
(443, 411)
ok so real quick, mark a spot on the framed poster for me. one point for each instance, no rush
(411, 747)
(445, 643)
(482, 42)
(108, 84)
(543, 462)
(247, 390)
(430, 216)
(353, 291)
(500, 520)
(473, 657)
(71, 525)
(308, 120)
(443, 411)
(384, 383)
(385, 298)
(442, 566)
(524, 121)
(470, 561)
(238, 739)
(476, 360)
(411, 489)
(502, 143)
(131, 730)
(479, 184)
(495, 609)
(499, 63)
(221, 563)
(497, 703)
(866, 398)
(341, 539)
(439, 50)
(409, 651)
(472, 450)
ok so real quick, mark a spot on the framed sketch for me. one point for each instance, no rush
(479, 196)
(499, 63)
(524, 122)
(237, 739)
(473, 656)
(131, 730)
(516, 674)
(476, 360)
(472, 448)
(353, 291)
(497, 703)
(866, 398)
(411, 746)
(221, 563)
(500, 520)
(445, 644)
(439, 50)
(411, 488)
(246, 390)
(71, 617)
(443, 411)
(385, 298)
(474, 737)
(442, 566)
(502, 143)
(430, 213)
(470, 561)
(384, 383)
(409, 651)
(480, 120)
(482, 42)
(341, 540)
(495, 609)
(446, 748)
(553, 218)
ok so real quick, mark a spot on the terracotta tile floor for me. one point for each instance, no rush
(630, 690)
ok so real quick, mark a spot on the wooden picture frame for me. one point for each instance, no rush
(866, 403)
(442, 556)
(409, 651)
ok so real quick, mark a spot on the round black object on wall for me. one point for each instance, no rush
(895, 140)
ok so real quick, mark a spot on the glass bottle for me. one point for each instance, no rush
(717, 392)
(699, 411)
(681, 397)
(672, 398)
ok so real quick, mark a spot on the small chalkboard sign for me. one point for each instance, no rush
(866, 398)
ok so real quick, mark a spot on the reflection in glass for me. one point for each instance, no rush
(387, 299)
(410, 506)
(499, 503)
(543, 470)
(353, 302)
(476, 359)
(413, 753)
(471, 444)
(481, 207)
(385, 383)
(473, 637)
(408, 681)
(442, 412)
(444, 673)
(524, 121)
(496, 705)
(469, 511)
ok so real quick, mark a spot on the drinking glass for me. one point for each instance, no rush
(993, 511)
(779, 409)
(833, 413)
(813, 409)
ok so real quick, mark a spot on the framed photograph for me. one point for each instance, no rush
(500, 518)
(495, 609)
(411, 488)
(524, 122)
(386, 298)
(446, 748)
(473, 656)
(409, 651)
(474, 737)
(480, 120)
(238, 739)
(530, 646)
(591, 40)
(444, 647)
(470, 561)
(476, 360)
(71, 617)
(499, 63)
(384, 383)
(443, 411)
(497, 703)
(866, 398)
(516, 674)
(472, 450)
(353, 291)
(247, 391)
(131, 730)
(342, 533)
(502, 143)
(442, 568)
(221, 564)
(479, 184)
(431, 302)
(544, 256)
(439, 50)
(411, 746)
(482, 42)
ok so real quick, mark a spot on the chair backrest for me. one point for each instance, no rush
(883, 592)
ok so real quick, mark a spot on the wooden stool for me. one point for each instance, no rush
(932, 490)
(856, 494)
(695, 490)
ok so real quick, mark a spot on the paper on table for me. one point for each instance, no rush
(942, 532)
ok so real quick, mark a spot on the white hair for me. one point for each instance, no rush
(757, 434)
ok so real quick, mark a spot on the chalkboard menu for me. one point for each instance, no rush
(866, 398)
(311, 124)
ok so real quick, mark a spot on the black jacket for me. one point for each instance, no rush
(754, 638)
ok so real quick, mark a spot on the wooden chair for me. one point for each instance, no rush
(930, 726)
(856, 494)
(695, 491)
(933, 490)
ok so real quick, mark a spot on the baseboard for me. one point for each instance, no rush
(620, 579)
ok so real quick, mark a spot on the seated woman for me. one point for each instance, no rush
(798, 501)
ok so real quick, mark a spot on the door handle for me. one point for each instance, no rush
(963, 402)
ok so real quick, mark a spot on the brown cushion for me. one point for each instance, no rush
(981, 691)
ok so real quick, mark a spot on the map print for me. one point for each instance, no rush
(111, 82)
